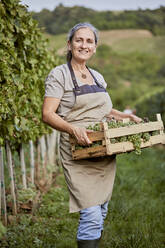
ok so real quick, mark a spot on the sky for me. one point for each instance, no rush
(38, 5)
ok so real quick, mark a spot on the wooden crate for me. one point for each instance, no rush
(107, 148)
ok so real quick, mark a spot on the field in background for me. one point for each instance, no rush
(122, 41)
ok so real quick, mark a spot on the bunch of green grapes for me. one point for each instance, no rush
(135, 139)
(95, 127)
(146, 137)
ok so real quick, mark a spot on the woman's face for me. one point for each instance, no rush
(82, 45)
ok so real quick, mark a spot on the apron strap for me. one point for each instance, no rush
(96, 81)
(74, 78)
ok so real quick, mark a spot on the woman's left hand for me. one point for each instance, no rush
(135, 118)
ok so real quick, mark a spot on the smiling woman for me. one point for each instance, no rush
(81, 48)
(75, 98)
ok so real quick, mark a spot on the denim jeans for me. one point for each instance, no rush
(91, 222)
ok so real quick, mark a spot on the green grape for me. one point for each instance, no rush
(136, 141)
(122, 139)
(113, 141)
(90, 127)
(146, 137)
(155, 133)
(78, 147)
(112, 124)
(95, 145)
(96, 127)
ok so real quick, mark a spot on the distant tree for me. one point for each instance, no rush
(62, 18)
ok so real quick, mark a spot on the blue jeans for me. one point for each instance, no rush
(91, 222)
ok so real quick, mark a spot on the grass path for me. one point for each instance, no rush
(136, 212)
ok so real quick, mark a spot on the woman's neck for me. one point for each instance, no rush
(78, 65)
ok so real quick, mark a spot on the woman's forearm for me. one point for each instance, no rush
(118, 115)
(80, 133)
(56, 122)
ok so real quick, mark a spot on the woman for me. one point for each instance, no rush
(76, 97)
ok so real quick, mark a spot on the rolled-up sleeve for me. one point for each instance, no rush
(54, 84)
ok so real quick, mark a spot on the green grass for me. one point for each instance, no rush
(135, 218)
(150, 45)
(121, 41)
(56, 41)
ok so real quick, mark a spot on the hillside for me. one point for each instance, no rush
(122, 41)
(131, 61)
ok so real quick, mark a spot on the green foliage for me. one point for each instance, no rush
(62, 18)
(24, 195)
(2, 230)
(151, 104)
(135, 218)
(24, 63)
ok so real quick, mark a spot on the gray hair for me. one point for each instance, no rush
(77, 27)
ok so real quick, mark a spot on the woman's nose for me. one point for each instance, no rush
(84, 44)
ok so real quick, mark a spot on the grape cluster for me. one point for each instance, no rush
(95, 127)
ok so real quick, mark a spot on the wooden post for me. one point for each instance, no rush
(3, 210)
(43, 156)
(37, 165)
(51, 145)
(48, 146)
(31, 161)
(11, 174)
(107, 140)
(23, 167)
(158, 116)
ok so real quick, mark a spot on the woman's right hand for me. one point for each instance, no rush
(80, 133)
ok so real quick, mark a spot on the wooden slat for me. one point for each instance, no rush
(128, 146)
(134, 129)
(89, 152)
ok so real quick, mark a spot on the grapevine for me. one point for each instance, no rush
(25, 61)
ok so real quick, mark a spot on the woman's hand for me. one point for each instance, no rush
(80, 133)
(135, 118)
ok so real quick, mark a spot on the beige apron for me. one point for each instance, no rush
(90, 181)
